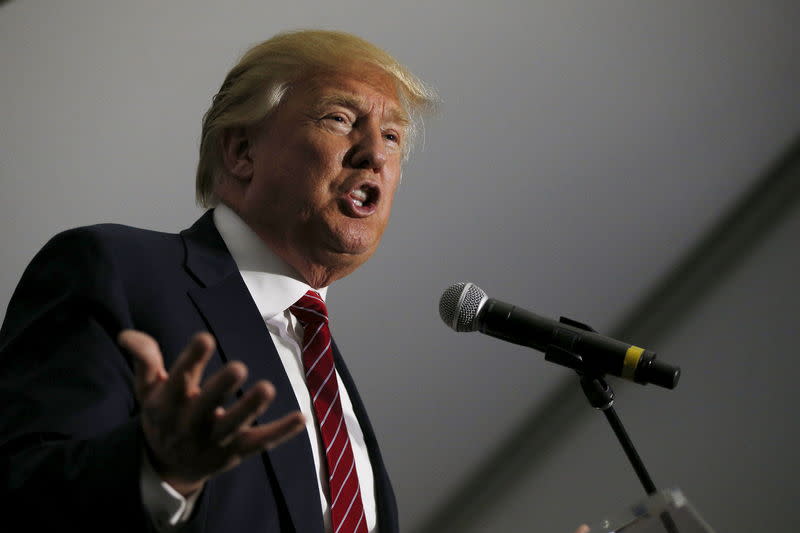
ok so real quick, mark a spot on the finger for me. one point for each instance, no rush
(147, 360)
(216, 390)
(242, 414)
(267, 436)
(582, 529)
(185, 374)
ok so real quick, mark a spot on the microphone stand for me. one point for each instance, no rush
(601, 396)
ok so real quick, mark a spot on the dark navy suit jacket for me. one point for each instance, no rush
(70, 440)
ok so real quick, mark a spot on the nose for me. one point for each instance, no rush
(369, 152)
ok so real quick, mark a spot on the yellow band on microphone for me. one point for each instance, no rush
(632, 357)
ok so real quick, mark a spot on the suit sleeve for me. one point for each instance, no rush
(70, 440)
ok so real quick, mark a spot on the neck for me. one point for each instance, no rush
(319, 276)
(317, 268)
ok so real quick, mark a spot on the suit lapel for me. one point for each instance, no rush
(234, 320)
(384, 495)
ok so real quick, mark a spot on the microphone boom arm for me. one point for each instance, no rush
(601, 396)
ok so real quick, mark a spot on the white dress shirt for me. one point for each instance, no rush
(274, 286)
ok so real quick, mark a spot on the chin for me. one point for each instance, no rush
(354, 252)
(349, 256)
(355, 242)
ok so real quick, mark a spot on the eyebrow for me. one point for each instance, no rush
(395, 114)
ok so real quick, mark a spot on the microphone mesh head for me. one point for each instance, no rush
(459, 305)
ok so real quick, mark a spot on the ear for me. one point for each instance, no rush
(236, 153)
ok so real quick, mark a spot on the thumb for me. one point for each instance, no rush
(147, 360)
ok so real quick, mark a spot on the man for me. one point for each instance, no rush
(110, 422)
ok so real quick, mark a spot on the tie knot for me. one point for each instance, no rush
(310, 308)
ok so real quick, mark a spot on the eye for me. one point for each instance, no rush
(337, 122)
(338, 117)
(391, 137)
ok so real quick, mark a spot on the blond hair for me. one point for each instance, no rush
(258, 83)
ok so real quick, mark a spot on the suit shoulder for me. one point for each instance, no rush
(113, 240)
(109, 232)
(90, 265)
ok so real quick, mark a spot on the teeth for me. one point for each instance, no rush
(359, 195)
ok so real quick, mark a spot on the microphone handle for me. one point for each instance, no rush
(603, 354)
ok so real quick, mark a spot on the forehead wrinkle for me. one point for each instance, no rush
(342, 99)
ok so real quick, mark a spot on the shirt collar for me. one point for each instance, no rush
(274, 285)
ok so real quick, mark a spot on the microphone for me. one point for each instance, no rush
(465, 307)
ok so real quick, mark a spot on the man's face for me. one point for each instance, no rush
(326, 165)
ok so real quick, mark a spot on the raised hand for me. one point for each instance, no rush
(190, 436)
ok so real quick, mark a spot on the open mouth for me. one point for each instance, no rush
(363, 199)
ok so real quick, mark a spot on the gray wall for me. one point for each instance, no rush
(581, 149)
(728, 435)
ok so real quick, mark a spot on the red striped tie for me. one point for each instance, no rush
(347, 510)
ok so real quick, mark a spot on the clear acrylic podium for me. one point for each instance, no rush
(662, 512)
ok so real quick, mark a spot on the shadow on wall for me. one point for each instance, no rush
(773, 196)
